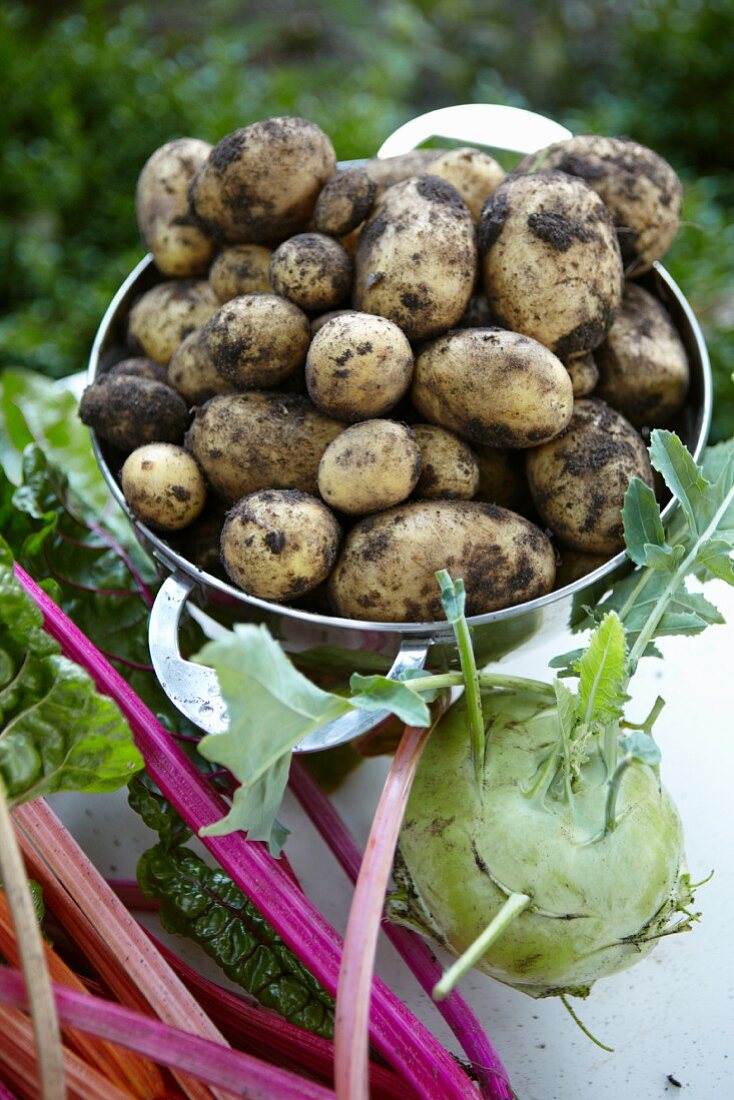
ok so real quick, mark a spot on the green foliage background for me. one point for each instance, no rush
(91, 92)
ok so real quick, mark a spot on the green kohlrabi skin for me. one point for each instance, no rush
(598, 901)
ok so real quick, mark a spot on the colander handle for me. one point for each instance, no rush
(194, 689)
(491, 124)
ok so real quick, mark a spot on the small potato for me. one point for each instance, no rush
(502, 478)
(578, 481)
(386, 171)
(345, 201)
(260, 184)
(250, 441)
(139, 367)
(369, 467)
(584, 374)
(640, 189)
(477, 314)
(502, 558)
(164, 316)
(163, 486)
(279, 543)
(311, 270)
(643, 367)
(127, 411)
(162, 204)
(192, 374)
(319, 322)
(358, 366)
(449, 469)
(241, 269)
(551, 263)
(416, 258)
(474, 174)
(493, 387)
(256, 341)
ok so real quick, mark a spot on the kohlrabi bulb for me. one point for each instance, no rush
(598, 900)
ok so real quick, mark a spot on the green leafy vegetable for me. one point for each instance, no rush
(205, 905)
(602, 673)
(57, 733)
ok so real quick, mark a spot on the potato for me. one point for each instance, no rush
(311, 270)
(179, 247)
(550, 260)
(279, 543)
(477, 314)
(449, 469)
(256, 341)
(369, 467)
(640, 189)
(503, 559)
(128, 411)
(386, 171)
(502, 478)
(139, 367)
(192, 374)
(345, 201)
(241, 269)
(474, 174)
(358, 366)
(250, 441)
(493, 387)
(416, 257)
(578, 481)
(163, 486)
(319, 322)
(584, 374)
(260, 183)
(164, 316)
(643, 367)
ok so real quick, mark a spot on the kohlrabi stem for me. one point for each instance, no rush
(611, 742)
(583, 1026)
(51, 1075)
(650, 721)
(486, 679)
(613, 791)
(512, 908)
(453, 599)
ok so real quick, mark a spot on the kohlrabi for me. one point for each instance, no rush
(538, 843)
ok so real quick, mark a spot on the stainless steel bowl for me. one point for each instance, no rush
(374, 645)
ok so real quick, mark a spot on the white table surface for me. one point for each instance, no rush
(672, 1014)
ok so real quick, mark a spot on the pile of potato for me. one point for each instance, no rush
(350, 378)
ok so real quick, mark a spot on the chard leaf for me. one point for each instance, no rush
(602, 672)
(673, 460)
(643, 527)
(57, 733)
(382, 693)
(271, 707)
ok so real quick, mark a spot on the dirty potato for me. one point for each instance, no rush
(260, 183)
(241, 269)
(358, 366)
(179, 246)
(584, 374)
(416, 257)
(640, 189)
(128, 411)
(449, 469)
(192, 373)
(250, 441)
(643, 366)
(140, 367)
(502, 478)
(279, 543)
(369, 467)
(474, 174)
(311, 270)
(256, 341)
(163, 486)
(550, 260)
(503, 558)
(578, 481)
(164, 316)
(493, 387)
(345, 201)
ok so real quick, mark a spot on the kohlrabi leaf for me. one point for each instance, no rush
(381, 693)
(57, 733)
(271, 707)
(642, 747)
(643, 527)
(453, 596)
(602, 672)
(674, 461)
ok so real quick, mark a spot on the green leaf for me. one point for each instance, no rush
(643, 526)
(157, 812)
(602, 673)
(673, 460)
(271, 707)
(715, 559)
(642, 747)
(57, 732)
(204, 904)
(377, 693)
(453, 596)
